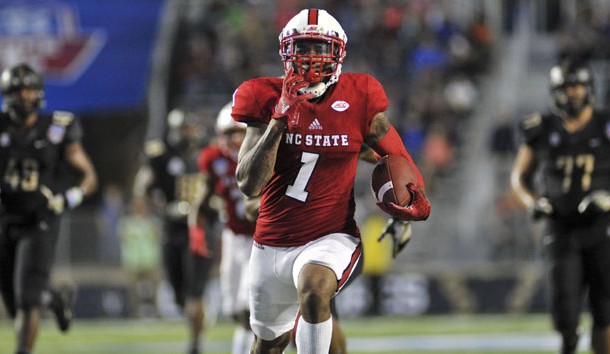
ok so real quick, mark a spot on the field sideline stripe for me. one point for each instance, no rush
(517, 342)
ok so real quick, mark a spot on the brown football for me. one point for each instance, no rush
(390, 178)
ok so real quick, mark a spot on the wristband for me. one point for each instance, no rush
(74, 197)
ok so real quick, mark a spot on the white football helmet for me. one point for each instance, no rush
(313, 45)
(225, 123)
(230, 133)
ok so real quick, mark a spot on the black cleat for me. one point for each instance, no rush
(60, 305)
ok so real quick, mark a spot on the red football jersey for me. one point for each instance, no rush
(311, 191)
(222, 169)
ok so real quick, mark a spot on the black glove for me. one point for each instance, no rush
(400, 231)
(598, 202)
(542, 208)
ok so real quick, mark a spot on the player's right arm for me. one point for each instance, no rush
(146, 176)
(257, 156)
(259, 150)
(521, 181)
(524, 168)
(201, 216)
(521, 176)
(251, 205)
(143, 180)
(200, 212)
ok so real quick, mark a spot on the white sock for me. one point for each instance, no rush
(314, 338)
(242, 341)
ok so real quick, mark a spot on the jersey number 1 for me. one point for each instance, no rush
(297, 189)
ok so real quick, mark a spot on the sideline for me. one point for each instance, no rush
(476, 343)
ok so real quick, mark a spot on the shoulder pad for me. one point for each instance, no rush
(154, 148)
(532, 121)
(534, 126)
(62, 118)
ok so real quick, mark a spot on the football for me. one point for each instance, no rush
(390, 178)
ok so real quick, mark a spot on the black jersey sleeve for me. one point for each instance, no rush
(532, 128)
(74, 130)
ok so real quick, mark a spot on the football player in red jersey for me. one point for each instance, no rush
(35, 150)
(570, 149)
(217, 163)
(300, 153)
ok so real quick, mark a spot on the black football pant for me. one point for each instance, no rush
(186, 272)
(577, 260)
(27, 252)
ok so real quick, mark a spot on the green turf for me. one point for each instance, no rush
(169, 336)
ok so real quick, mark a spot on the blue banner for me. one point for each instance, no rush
(94, 55)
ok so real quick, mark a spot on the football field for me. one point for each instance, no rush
(426, 334)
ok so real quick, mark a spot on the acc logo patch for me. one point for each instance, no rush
(554, 139)
(340, 106)
(5, 139)
(56, 133)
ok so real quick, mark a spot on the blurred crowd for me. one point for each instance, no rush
(430, 58)
(429, 63)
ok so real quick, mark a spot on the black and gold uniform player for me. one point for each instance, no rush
(34, 149)
(570, 148)
(170, 179)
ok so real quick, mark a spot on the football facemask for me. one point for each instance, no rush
(313, 45)
(571, 74)
(20, 105)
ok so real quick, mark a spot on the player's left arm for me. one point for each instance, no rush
(384, 140)
(77, 157)
(367, 154)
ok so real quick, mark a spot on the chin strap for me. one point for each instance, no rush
(316, 90)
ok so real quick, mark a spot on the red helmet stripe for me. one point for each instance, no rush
(312, 19)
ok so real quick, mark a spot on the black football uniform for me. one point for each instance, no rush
(177, 178)
(30, 158)
(576, 246)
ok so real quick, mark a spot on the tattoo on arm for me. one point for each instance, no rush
(257, 157)
(379, 128)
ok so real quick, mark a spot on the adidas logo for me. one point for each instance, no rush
(315, 125)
